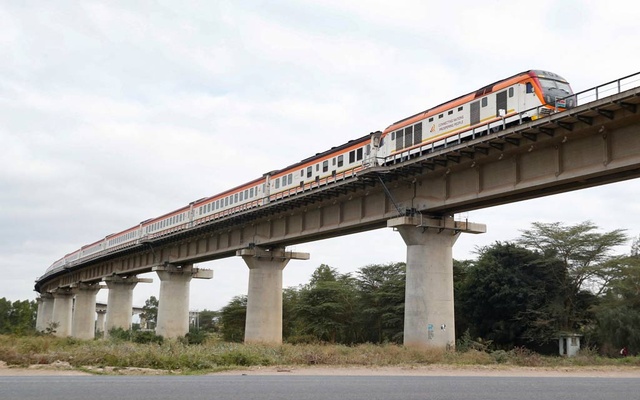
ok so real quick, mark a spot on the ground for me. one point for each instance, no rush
(63, 368)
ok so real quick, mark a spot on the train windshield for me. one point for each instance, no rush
(557, 93)
(548, 84)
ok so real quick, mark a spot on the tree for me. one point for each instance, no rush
(150, 312)
(507, 296)
(209, 320)
(381, 302)
(291, 326)
(233, 317)
(618, 313)
(586, 257)
(17, 318)
(327, 304)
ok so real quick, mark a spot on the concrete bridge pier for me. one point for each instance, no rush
(45, 311)
(120, 301)
(264, 299)
(85, 310)
(62, 311)
(173, 304)
(100, 321)
(429, 308)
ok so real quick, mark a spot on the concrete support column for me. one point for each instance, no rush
(264, 299)
(84, 312)
(173, 304)
(45, 312)
(100, 322)
(429, 308)
(120, 301)
(62, 311)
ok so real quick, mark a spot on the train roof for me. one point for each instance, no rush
(325, 153)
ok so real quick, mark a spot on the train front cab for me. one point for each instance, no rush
(552, 91)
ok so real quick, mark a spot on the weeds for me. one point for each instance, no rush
(213, 355)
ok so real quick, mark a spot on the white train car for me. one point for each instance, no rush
(522, 97)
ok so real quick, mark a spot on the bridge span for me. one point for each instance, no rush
(418, 194)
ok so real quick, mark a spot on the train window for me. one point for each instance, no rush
(460, 108)
(340, 161)
(325, 166)
(431, 119)
(417, 134)
(393, 135)
(510, 92)
(484, 102)
(235, 198)
(352, 157)
(277, 181)
(368, 151)
(399, 140)
(241, 196)
(317, 167)
(333, 161)
(290, 179)
(408, 136)
(450, 112)
(251, 192)
(309, 172)
(246, 194)
(441, 115)
(529, 87)
(359, 154)
(302, 172)
(226, 201)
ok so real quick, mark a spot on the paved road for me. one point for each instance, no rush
(314, 388)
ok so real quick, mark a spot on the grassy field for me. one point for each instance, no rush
(215, 355)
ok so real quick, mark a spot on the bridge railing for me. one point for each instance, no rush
(607, 89)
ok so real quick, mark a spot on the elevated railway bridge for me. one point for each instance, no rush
(418, 194)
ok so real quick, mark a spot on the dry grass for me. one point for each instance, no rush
(214, 355)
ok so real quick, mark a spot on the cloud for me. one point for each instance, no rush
(115, 112)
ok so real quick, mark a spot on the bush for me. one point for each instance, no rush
(146, 337)
(195, 337)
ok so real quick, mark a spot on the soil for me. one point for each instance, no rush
(63, 368)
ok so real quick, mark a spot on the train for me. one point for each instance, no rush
(514, 100)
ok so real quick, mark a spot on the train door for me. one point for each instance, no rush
(474, 109)
(501, 103)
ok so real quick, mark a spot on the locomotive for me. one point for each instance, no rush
(522, 97)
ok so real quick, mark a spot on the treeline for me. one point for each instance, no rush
(18, 317)
(553, 279)
(335, 307)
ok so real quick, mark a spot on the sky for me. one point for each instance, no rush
(114, 112)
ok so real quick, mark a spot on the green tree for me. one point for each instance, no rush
(17, 318)
(586, 257)
(507, 296)
(460, 272)
(5, 315)
(327, 306)
(618, 313)
(232, 319)
(381, 302)
(209, 320)
(291, 326)
(150, 312)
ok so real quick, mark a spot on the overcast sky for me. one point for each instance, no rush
(115, 112)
